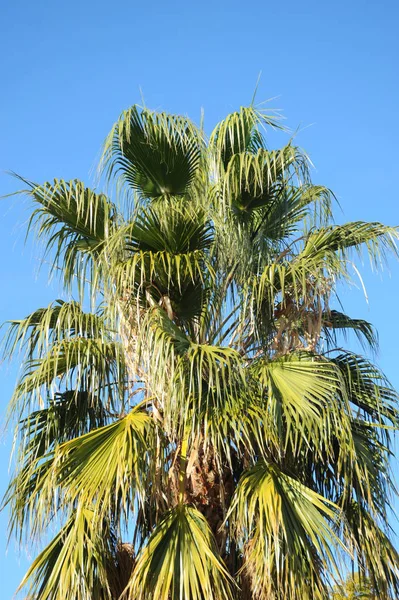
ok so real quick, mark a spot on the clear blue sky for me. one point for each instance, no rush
(67, 69)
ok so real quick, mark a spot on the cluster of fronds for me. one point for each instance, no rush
(192, 398)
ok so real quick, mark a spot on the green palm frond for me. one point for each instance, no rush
(67, 416)
(60, 320)
(375, 552)
(241, 131)
(164, 254)
(220, 367)
(87, 364)
(155, 153)
(355, 587)
(180, 561)
(371, 477)
(75, 221)
(32, 506)
(368, 388)
(302, 397)
(253, 180)
(286, 531)
(74, 565)
(331, 243)
(335, 321)
(175, 228)
(159, 273)
(323, 260)
(291, 208)
(106, 465)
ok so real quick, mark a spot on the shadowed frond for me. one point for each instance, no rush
(69, 415)
(172, 228)
(370, 470)
(155, 153)
(290, 209)
(375, 552)
(336, 322)
(254, 180)
(163, 252)
(368, 388)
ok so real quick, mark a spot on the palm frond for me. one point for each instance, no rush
(312, 271)
(74, 565)
(46, 326)
(374, 551)
(180, 561)
(253, 180)
(371, 481)
(302, 398)
(84, 364)
(336, 240)
(286, 532)
(105, 468)
(106, 465)
(75, 222)
(335, 321)
(67, 416)
(241, 131)
(155, 153)
(368, 388)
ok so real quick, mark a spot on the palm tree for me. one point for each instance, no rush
(190, 425)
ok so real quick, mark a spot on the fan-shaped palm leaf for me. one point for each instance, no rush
(155, 153)
(287, 532)
(73, 565)
(180, 561)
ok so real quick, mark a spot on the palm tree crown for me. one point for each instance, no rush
(190, 423)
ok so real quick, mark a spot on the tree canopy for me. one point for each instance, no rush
(189, 424)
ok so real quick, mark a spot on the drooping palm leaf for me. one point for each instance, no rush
(75, 221)
(336, 321)
(87, 364)
(60, 320)
(374, 550)
(73, 565)
(180, 561)
(286, 531)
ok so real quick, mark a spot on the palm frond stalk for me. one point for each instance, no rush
(187, 422)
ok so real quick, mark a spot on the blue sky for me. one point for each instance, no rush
(67, 69)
